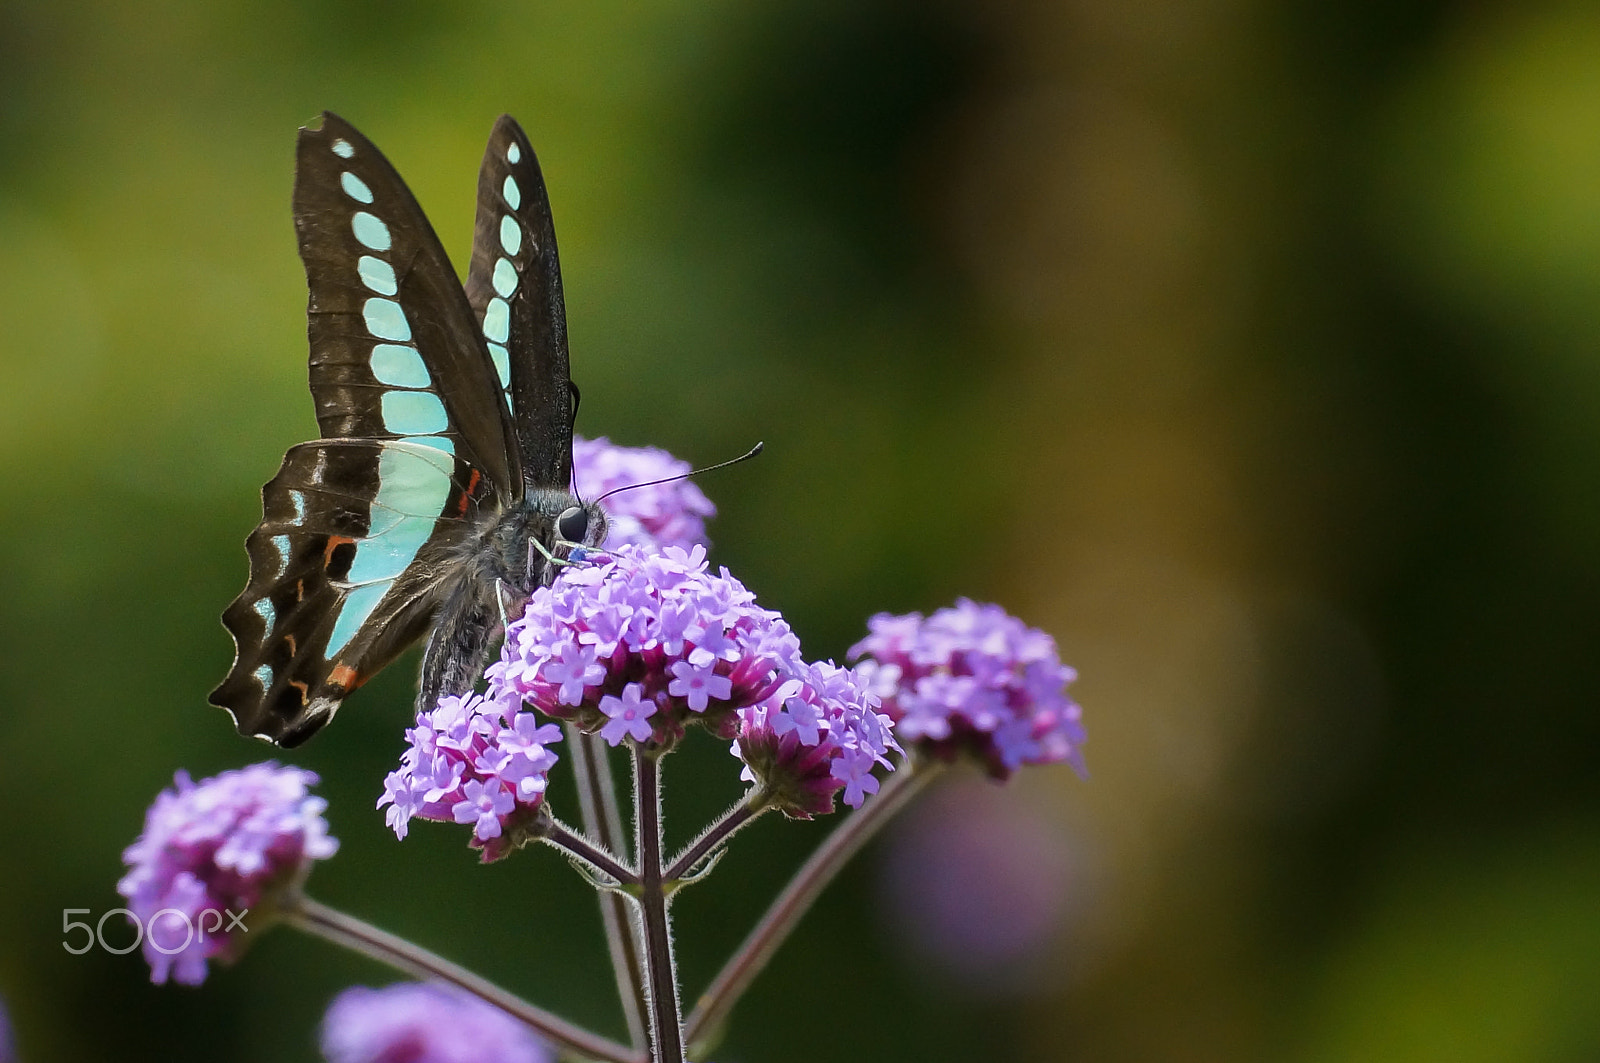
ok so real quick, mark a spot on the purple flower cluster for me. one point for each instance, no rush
(473, 761)
(663, 514)
(412, 1022)
(975, 680)
(819, 732)
(213, 850)
(640, 645)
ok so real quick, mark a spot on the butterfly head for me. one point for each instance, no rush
(547, 525)
(572, 527)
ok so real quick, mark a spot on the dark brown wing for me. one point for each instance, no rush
(396, 350)
(514, 286)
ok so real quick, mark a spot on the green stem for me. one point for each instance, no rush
(333, 925)
(576, 845)
(719, 832)
(597, 804)
(775, 925)
(666, 1020)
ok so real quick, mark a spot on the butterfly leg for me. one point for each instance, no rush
(552, 559)
(577, 554)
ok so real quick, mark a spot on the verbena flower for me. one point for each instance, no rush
(820, 732)
(640, 645)
(411, 1022)
(665, 514)
(973, 679)
(215, 849)
(474, 761)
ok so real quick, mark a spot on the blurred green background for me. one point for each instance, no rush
(1251, 348)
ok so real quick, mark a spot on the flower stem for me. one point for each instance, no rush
(720, 831)
(597, 804)
(666, 1020)
(333, 925)
(775, 925)
(576, 845)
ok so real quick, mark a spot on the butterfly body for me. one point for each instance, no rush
(446, 415)
(492, 578)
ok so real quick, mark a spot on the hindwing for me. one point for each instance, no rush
(346, 571)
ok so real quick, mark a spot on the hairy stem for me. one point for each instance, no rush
(576, 845)
(775, 925)
(720, 831)
(333, 925)
(666, 1020)
(597, 803)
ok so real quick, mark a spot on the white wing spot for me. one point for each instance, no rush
(355, 187)
(510, 235)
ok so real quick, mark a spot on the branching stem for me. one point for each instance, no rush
(333, 925)
(713, 836)
(576, 845)
(780, 918)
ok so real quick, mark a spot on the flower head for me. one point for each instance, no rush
(820, 732)
(411, 1022)
(213, 850)
(474, 761)
(641, 645)
(973, 679)
(662, 514)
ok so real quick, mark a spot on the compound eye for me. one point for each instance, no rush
(573, 524)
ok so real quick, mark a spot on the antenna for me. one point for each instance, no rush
(746, 456)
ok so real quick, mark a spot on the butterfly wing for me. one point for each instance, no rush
(514, 287)
(396, 350)
(356, 544)
(346, 571)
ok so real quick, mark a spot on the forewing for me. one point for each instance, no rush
(396, 351)
(347, 569)
(514, 286)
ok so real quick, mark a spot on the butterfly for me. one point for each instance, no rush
(441, 487)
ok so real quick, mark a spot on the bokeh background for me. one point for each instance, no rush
(1251, 348)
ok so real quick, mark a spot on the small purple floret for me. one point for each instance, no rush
(628, 715)
(215, 849)
(415, 1023)
(973, 679)
(665, 514)
(474, 761)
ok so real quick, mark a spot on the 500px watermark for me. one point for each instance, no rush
(167, 921)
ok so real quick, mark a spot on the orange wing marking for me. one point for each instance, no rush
(466, 495)
(334, 542)
(345, 676)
